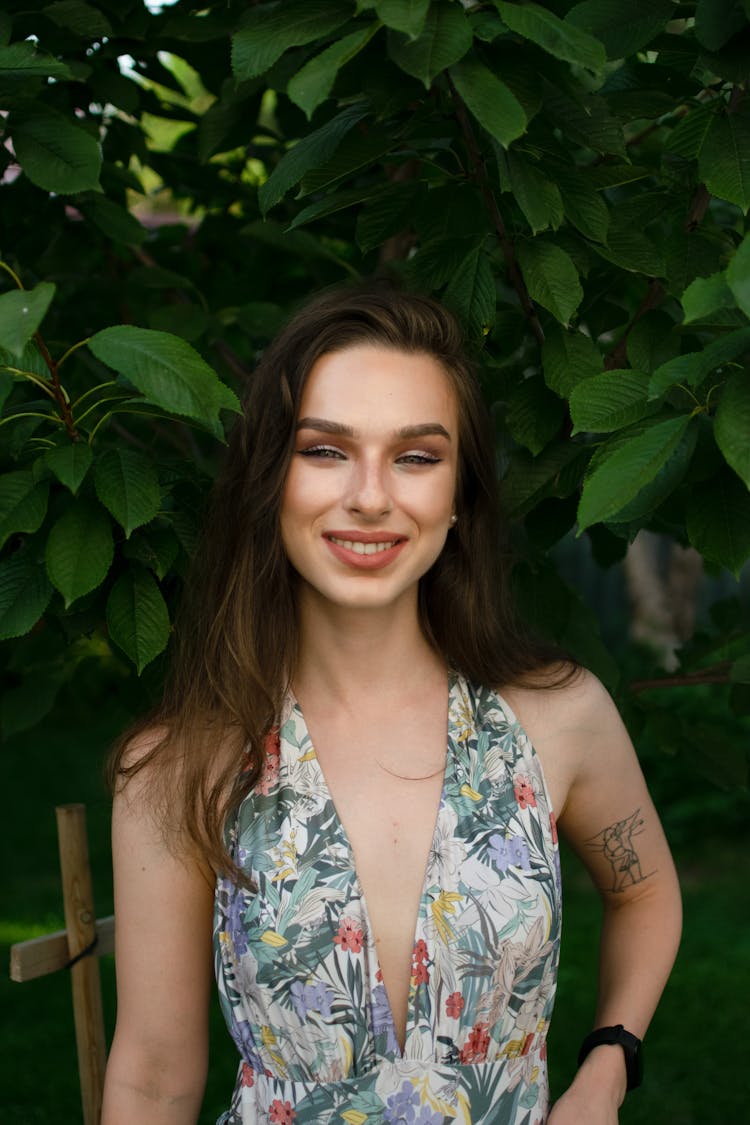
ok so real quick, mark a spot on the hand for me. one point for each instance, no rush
(577, 1107)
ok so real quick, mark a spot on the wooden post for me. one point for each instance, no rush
(80, 923)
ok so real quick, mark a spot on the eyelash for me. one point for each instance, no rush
(329, 452)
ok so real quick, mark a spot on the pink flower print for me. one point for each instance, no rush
(420, 951)
(271, 758)
(248, 1074)
(349, 938)
(553, 827)
(477, 1045)
(419, 973)
(281, 1112)
(524, 792)
(454, 1005)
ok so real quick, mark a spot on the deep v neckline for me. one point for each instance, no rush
(455, 694)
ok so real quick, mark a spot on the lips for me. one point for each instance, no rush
(364, 550)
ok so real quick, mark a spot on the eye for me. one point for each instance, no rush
(419, 459)
(324, 452)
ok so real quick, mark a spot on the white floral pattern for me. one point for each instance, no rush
(298, 975)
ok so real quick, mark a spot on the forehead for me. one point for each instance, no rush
(365, 384)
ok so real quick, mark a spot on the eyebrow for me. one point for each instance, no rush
(405, 433)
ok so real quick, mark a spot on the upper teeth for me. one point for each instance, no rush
(363, 548)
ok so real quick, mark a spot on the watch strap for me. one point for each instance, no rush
(631, 1046)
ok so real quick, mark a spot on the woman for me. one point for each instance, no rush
(386, 910)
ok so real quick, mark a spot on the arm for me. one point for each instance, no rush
(609, 819)
(157, 1065)
(606, 814)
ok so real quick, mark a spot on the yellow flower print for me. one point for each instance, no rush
(444, 904)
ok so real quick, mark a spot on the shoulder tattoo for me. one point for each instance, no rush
(616, 843)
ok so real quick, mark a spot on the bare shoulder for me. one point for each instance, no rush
(573, 725)
(565, 698)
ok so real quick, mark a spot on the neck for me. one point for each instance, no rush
(345, 654)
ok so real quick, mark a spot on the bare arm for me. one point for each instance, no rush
(606, 814)
(157, 1066)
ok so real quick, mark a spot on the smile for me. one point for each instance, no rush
(363, 548)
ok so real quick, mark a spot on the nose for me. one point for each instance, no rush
(369, 495)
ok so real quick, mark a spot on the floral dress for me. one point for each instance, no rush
(296, 964)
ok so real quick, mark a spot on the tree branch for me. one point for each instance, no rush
(654, 296)
(506, 242)
(57, 391)
(718, 674)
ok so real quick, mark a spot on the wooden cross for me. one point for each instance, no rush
(76, 948)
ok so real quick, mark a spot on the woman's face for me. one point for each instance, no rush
(370, 491)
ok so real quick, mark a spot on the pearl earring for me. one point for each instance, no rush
(454, 519)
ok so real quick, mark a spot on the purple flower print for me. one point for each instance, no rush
(400, 1109)
(519, 851)
(235, 921)
(506, 851)
(382, 1018)
(315, 997)
(427, 1117)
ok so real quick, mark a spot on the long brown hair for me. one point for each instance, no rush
(236, 635)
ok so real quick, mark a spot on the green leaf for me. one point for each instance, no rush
(407, 16)
(359, 149)
(669, 477)
(724, 161)
(534, 415)
(718, 520)
(489, 100)
(188, 320)
(127, 485)
(137, 617)
(23, 60)
(471, 293)
(25, 592)
(551, 278)
(705, 295)
(732, 424)
(69, 463)
(558, 37)
(312, 84)
(23, 504)
(652, 341)
(738, 275)
(619, 472)
(445, 39)
(21, 313)
(82, 19)
(692, 367)
(716, 21)
(312, 151)
(537, 196)
(167, 371)
(114, 221)
(587, 121)
(687, 136)
(568, 358)
(79, 550)
(623, 28)
(610, 401)
(157, 549)
(556, 471)
(6, 386)
(55, 154)
(270, 29)
(583, 206)
(336, 201)
(631, 249)
(386, 214)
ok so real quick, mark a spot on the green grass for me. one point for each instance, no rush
(695, 1051)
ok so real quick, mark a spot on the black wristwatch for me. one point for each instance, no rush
(630, 1044)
